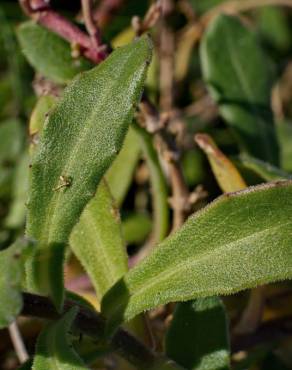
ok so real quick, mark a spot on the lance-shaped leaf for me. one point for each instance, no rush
(226, 247)
(198, 335)
(265, 170)
(158, 186)
(48, 53)
(11, 267)
(53, 349)
(120, 174)
(227, 175)
(81, 138)
(230, 52)
(97, 241)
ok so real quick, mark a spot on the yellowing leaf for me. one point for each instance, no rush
(227, 175)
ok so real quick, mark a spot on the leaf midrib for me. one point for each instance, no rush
(54, 200)
(172, 270)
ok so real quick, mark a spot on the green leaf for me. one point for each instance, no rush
(97, 241)
(17, 68)
(17, 211)
(12, 136)
(81, 138)
(186, 339)
(53, 349)
(48, 53)
(12, 139)
(202, 6)
(136, 227)
(158, 186)
(120, 174)
(5, 96)
(193, 165)
(39, 114)
(284, 130)
(239, 78)
(263, 169)
(11, 267)
(274, 26)
(226, 247)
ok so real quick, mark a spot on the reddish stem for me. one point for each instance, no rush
(67, 30)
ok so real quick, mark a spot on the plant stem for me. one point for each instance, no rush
(159, 192)
(93, 324)
(65, 29)
(166, 56)
(92, 29)
(155, 123)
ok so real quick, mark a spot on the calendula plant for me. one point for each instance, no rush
(145, 184)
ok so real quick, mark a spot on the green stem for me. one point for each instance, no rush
(159, 191)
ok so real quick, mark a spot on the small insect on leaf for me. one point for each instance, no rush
(64, 182)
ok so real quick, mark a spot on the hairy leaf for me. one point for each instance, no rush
(97, 241)
(120, 174)
(230, 52)
(38, 116)
(81, 138)
(11, 267)
(197, 337)
(48, 53)
(226, 247)
(53, 349)
(227, 175)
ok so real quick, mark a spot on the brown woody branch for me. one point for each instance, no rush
(92, 323)
(155, 123)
